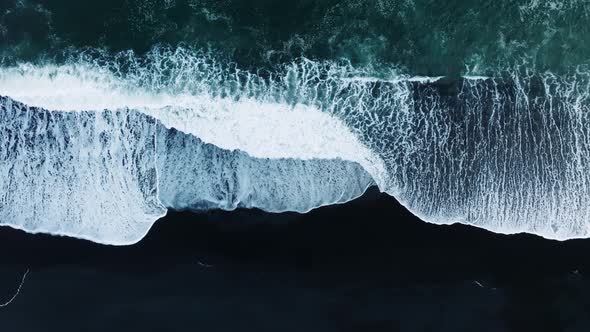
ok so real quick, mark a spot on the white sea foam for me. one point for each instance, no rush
(508, 154)
(90, 175)
(282, 164)
(476, 78)
(262, 128)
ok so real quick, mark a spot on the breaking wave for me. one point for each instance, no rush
(99, 146)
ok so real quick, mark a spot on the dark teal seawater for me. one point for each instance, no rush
(421, 37)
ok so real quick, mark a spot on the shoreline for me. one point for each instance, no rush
(366, 265)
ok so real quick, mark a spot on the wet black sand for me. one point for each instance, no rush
(367, 265)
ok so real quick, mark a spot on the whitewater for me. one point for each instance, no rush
(99, 147)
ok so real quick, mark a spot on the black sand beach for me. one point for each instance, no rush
(367, 265)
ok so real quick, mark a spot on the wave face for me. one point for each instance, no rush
(507, 154)
(107, 176)
(481, 121)
(198, 176)
(86, 174)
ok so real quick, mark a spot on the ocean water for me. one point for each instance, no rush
(424, 37)
(116, 114)
(464, 112)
